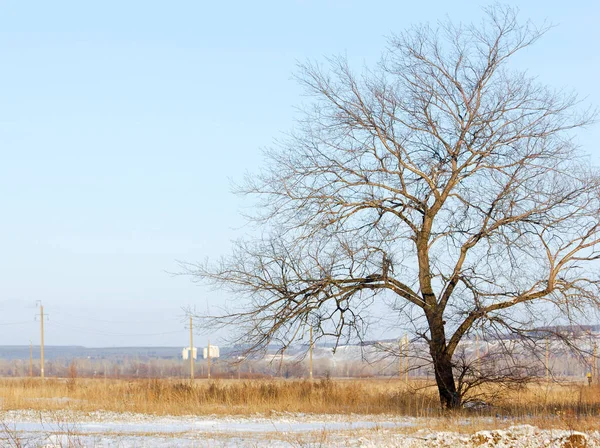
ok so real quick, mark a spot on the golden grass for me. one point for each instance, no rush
(176, 397)
(551, 405)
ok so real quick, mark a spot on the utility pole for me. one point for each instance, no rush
(403, 358)
(547, 360)
(477, 351)
(30, 358)
(208, 359)
(279, 373)
(310, 356)
(42, 340)
(403, 372)
(39, 302)
(595, 363)
(191, 350)
(406, 358)
(400, 357)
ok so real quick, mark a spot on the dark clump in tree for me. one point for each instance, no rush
(442, 181)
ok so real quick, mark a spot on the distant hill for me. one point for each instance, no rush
(322, 349)
(76, 351)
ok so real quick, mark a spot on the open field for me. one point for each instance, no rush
(324, 396)
(370, 412)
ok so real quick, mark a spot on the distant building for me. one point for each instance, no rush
(185, 353)
(214, 352)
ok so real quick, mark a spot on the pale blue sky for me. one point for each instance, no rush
(122, 123)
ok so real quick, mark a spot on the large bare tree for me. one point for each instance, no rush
(443, 182)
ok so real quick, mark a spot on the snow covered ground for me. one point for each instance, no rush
(107, 429)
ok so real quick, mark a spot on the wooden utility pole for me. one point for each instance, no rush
(401, 357)
(30, 359)
(406, 368)
(595, 363)
(280, 367)
(310, 356)
(42, 341)
(547, 360)
(191, 350)
(208, 359)
(477, 351)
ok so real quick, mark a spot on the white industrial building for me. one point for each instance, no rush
(185, 353)
(214, 352)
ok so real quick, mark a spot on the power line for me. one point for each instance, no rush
(108, 333)
(181, 319)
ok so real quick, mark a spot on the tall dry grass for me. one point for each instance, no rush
(551, 402)
(176, 397)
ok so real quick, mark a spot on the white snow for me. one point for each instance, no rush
(108, 429)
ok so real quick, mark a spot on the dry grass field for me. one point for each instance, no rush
(168, 413)
(545, 405)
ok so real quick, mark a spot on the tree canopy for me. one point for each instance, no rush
(443, 179)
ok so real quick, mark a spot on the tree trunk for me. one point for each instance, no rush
(442, 365)
(444, 377)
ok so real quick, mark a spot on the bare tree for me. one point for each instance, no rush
(442, 181)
